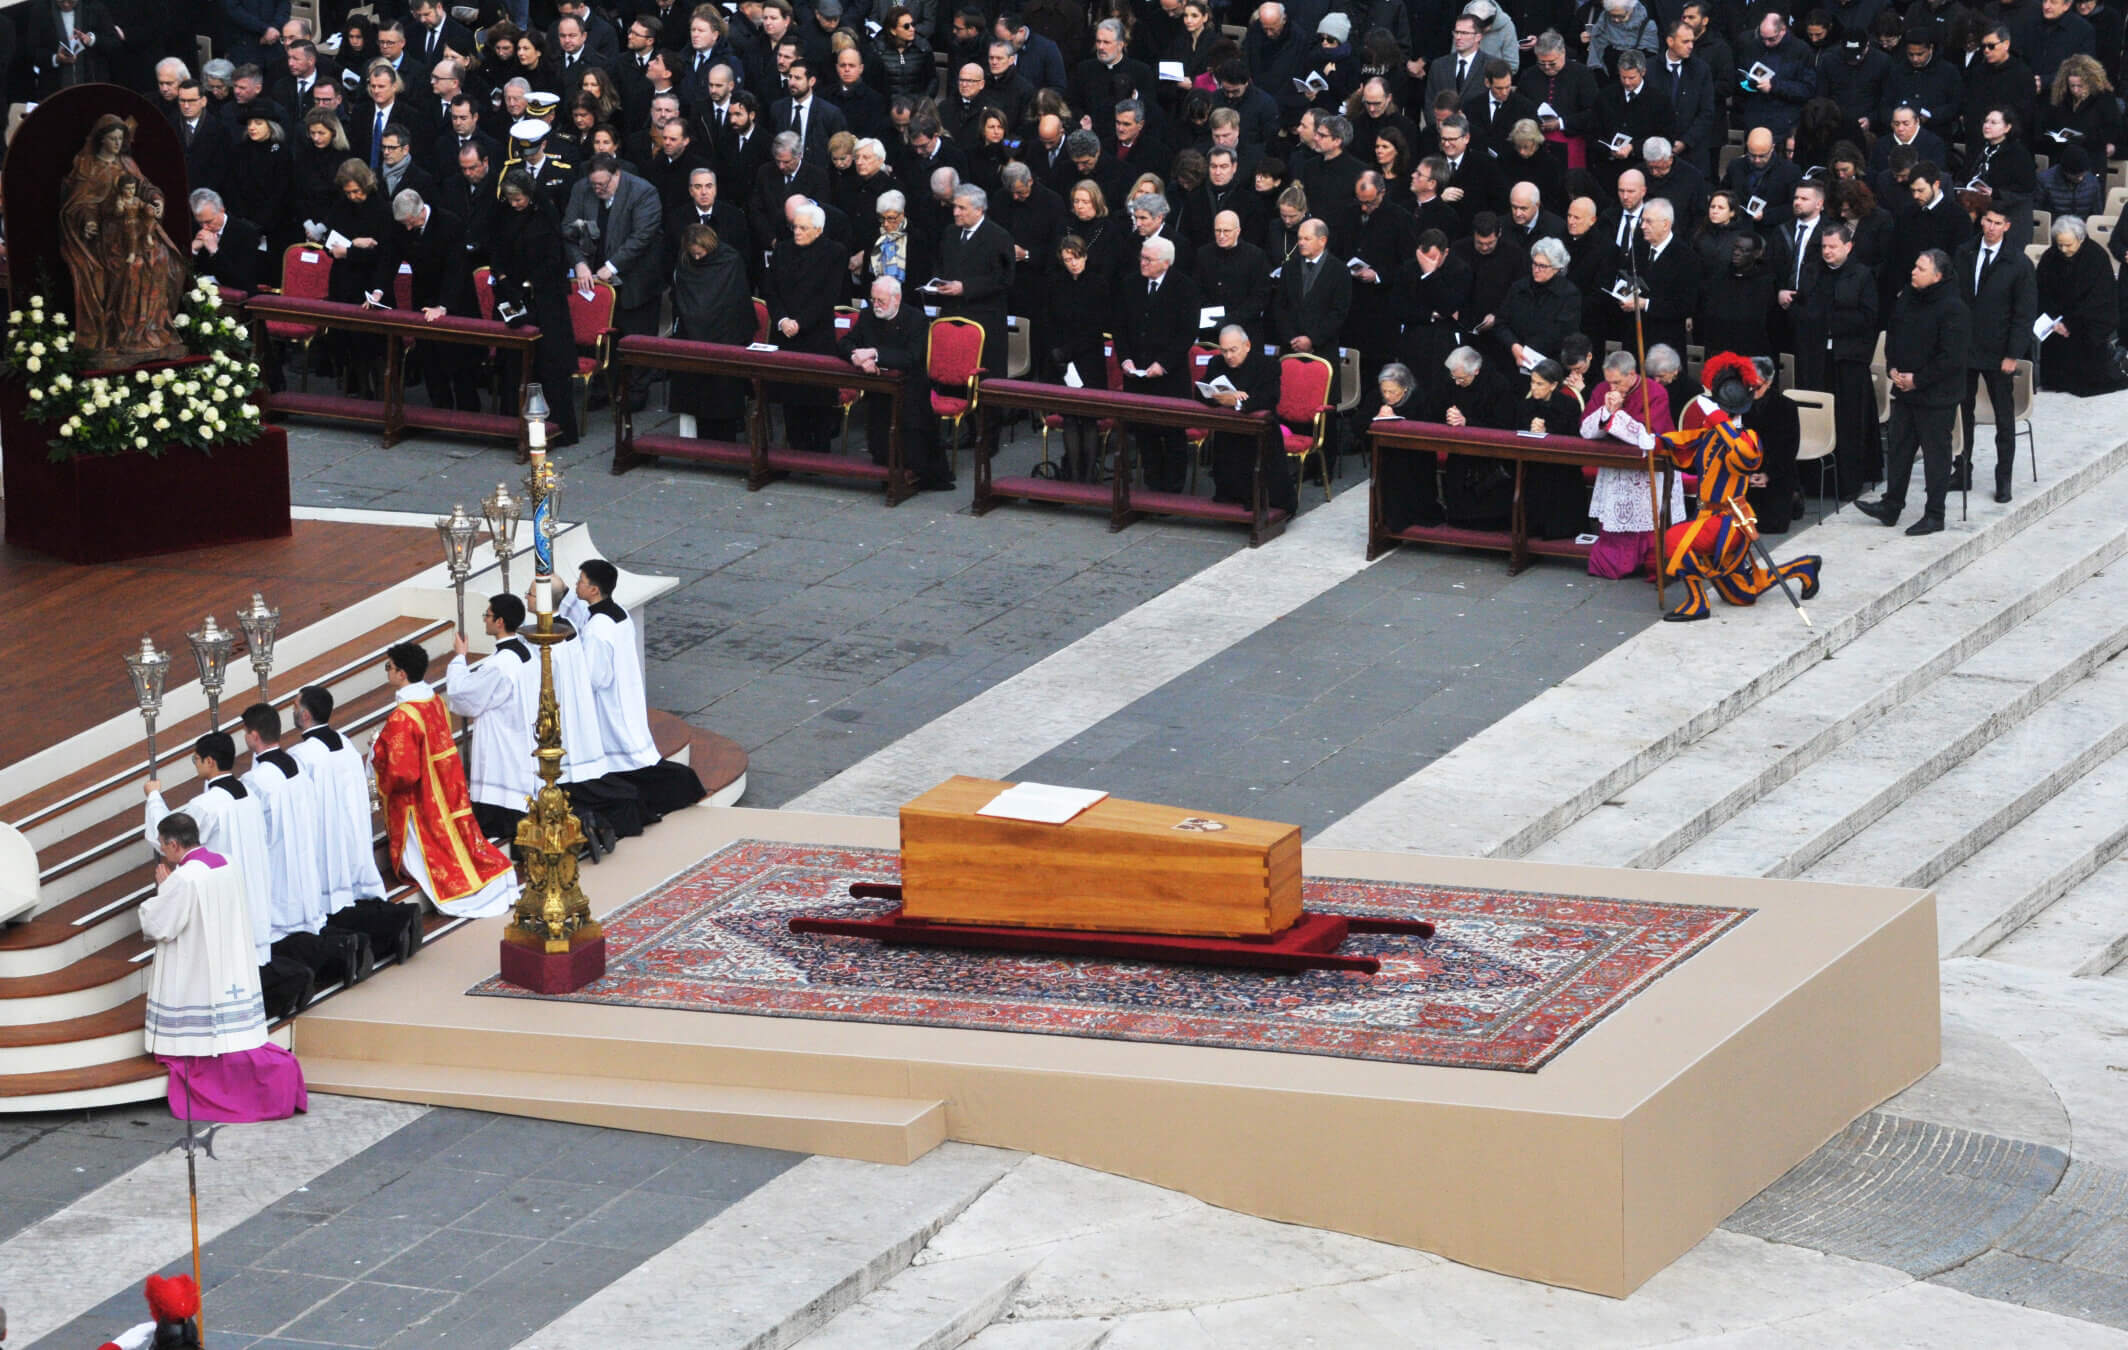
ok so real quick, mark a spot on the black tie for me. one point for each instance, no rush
(1802, 231)
(1462, 70)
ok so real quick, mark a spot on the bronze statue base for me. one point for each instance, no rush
(106, 361)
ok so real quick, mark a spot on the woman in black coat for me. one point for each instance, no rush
(1076, 328)
(1410, 479)
(1541, 308)
(1713, 238)
(1739, 300)
(1555, 497)
(2077, 287)
(2082, 101)
(524, 267)
(711, 303)
(805, 279)
(2001, 161)
(901, 59)
(320, 151)
(360, 215)
(261, 187)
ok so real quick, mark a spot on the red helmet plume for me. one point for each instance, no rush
(1728, 363)
(173, 1300)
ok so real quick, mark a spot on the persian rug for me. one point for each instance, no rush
(1510, 979)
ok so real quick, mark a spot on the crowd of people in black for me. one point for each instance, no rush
(1487, 202)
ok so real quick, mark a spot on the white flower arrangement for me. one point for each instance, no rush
(203, 404)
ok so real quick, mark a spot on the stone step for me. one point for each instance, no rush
(849, 1125)
(1921, 739)
(786, 1260)
(2026, 868)
(1709, 783)
(1588, 739)
(931, 1307)
(1076, 1333)
(2084, 933)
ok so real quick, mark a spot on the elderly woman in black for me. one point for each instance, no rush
(1079, 309)
(363, 219)
(526, 278)
(805, 277)
(2076, 286)
(1541, 308)
(1411, 479)
(1555, 497)
(710, 303)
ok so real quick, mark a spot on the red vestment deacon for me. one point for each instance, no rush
(424, 786)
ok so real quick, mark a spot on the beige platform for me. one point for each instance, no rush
(1593, 1173)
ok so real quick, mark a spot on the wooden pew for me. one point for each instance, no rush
(763, 462)
(1399, 437)
(392, 412)
(1125, 501)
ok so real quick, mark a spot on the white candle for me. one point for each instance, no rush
(545, 587)
(536, 430)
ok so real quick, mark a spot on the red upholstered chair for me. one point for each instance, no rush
(591, 324)
(954, 359)
(845, 320)
(1202, 354)
(1304, 399)
(760, 319)
(484, 292)
(306, 273)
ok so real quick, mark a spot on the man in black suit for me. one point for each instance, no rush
(1461, 70)
(1924, 357)
(1234, 274)
(435, 32)
(1763, 173)
(783, 177)
(1473, 178)
(1314, 295)
(889, 335)
(1907, 133)
(293, 90)
(1036, 219)
(385, 105)
(814, 119)
(1836, 318)
(704, 206)
(1695, 104)
(1934, 220)
(1135, 146)
(975, 265)
(1108, 77)
(601, 45)
(1628, 112)
(1528, 221)
(205, 140)
(462, 130)
(1155, 323)
(1493, 114)
(1669, 279)
(433, 244)
(223, 246)
(1673, 179)
(668, 170)
(470, 196)
(1254, 373)
(2001, 290)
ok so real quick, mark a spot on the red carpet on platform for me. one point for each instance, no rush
(1510, 980)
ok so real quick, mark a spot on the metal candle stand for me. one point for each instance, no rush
(211, 647)
(260, 624)
(148, 668)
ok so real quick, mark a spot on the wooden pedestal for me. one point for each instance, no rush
(554, 972)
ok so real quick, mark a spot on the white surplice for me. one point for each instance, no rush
(584, 754)
(295, 838)
(501, 696)
(231, 824)
(607, 633)
(203, 988)
(341, 775)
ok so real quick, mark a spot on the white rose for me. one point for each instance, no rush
(37, 394)
(214, 301)
(222, 381)
(33, 365)
(67, 430)
(36, 349)
(181, 321)
(162, 424)
(63, 383)
(140, 442)
(184, 414)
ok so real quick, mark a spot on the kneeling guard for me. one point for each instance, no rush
(1719, 547)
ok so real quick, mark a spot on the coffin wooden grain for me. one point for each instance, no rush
(1120, 865)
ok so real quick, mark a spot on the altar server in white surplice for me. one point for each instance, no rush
(607, 634)
(206, 1020)
(501, 696)
(230, 824)
(341, 776)
(295, 829)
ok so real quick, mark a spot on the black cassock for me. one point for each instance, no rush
(1234, 457)
(711, 303)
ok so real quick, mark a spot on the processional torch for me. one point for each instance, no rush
(211, 647)
(260, 624)
(458, 530)
(148, 668)
(503, 511)
(552, 941)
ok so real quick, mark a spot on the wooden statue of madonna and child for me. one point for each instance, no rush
(129, 274)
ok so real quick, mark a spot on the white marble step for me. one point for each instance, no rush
(1922, 738)
(2083, 933)
(1711, 781)
(1995, 869)
(1074, 1333)
(930, 1307)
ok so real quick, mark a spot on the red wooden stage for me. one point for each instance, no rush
(72, 625)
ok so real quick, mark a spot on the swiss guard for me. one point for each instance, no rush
(1719, 546)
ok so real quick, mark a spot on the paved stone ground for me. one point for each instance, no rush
(453, 1231)
(49, 1162)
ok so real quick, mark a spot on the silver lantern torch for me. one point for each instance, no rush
(457, 531)
(260, 624)
(211, 647)
(148, 668)
(502, 511)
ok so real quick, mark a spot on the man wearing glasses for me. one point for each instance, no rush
(1999, 79)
